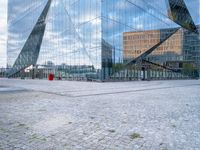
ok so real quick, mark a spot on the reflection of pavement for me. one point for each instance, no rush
(38, 114)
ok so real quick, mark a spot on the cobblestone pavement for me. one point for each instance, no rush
(59, 115)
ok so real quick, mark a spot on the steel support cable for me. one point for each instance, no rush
(149, 51)
(60, 33)
(136, 30)
(107, 18)
(146, 53)
(26, 30)
(10, 18)
(162, 13)
(77, 32)
(26, 13)
(147, 12)
(156, 9)
(162, 66)
(29, 48)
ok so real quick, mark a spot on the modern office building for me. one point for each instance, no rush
(136, 43)
(181, 46)
(86, 39)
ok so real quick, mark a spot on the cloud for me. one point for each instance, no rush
(122, 5)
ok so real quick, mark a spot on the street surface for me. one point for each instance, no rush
(59, 115)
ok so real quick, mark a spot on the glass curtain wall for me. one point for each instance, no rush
(71, 46)
(130, 16)
(132, 27)
(72, 42)
(91, 39)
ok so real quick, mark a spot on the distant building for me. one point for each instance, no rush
(183, 45)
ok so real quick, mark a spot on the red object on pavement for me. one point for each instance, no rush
(51, 77)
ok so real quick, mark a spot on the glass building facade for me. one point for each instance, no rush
(84, 39)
